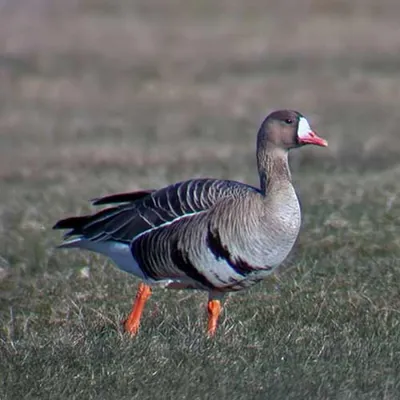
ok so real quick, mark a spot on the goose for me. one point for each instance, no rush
(214, 235)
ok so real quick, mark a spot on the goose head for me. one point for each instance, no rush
(287, 129)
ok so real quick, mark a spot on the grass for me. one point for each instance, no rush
(100, 97)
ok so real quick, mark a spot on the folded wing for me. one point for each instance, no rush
(149, 210)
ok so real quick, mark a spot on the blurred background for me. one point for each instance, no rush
(93, 84)
(102, 96)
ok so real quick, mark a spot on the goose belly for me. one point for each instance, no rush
(236, 272)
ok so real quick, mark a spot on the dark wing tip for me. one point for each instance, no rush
(61, 224)
(121, 197)
(70, 223)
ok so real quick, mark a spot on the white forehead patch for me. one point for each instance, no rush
(304, 128)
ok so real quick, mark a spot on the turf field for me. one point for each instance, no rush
(101, 96)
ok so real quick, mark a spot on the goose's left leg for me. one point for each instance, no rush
(214, 310)
(131, 324)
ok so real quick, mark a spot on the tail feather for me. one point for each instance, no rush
(75, 224)
(122, 197)
(78, 224)
(71, 223)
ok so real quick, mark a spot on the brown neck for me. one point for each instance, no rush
(273, 167)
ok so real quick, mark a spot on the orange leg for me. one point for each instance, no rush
(214, 310)
(131, 324)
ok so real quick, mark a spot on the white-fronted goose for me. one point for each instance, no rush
(209, 234)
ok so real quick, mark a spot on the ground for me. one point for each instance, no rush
(105, 96)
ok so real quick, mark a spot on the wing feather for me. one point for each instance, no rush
(149, 210)
(122, 197)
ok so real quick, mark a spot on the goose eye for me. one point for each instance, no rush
(289, 121)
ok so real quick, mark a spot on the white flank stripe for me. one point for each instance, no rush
(166, 224)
